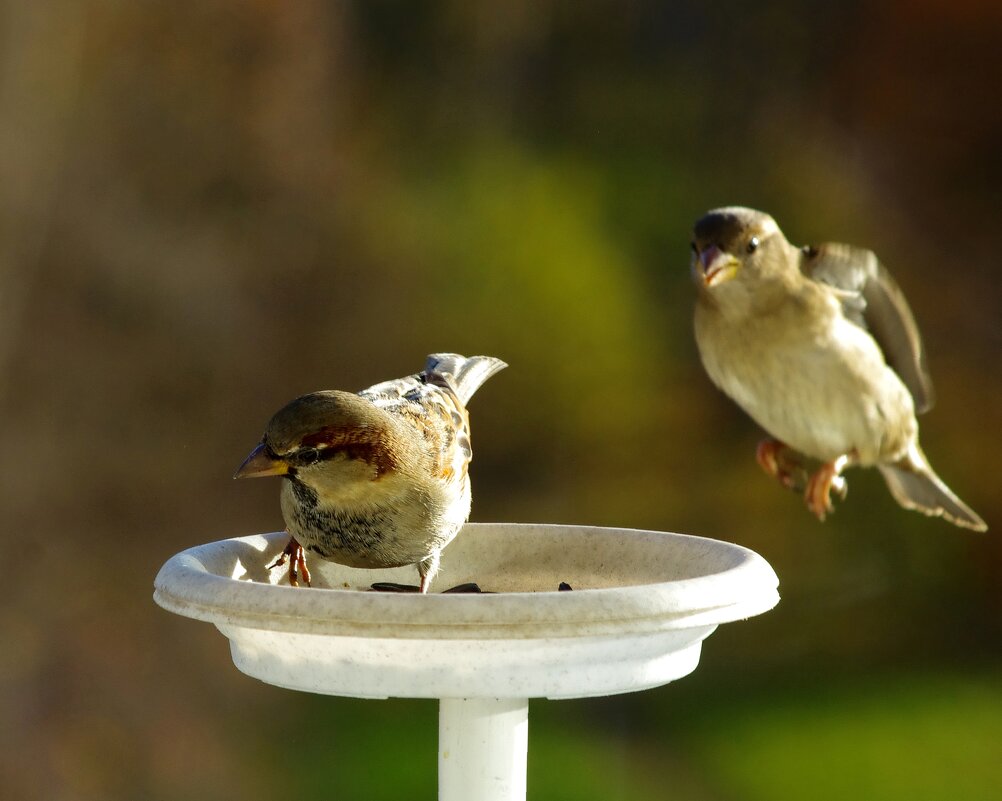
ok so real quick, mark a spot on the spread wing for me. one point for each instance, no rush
(872, 299)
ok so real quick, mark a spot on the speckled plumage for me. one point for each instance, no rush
(380, 478)
(819, 347)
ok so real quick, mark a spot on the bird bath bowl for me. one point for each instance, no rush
(642, 603)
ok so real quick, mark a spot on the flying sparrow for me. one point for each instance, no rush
(819, 347)
(375, 479)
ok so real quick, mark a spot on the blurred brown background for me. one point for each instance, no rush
(209, 208)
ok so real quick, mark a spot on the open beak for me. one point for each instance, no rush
(716, 265)
(258, 463)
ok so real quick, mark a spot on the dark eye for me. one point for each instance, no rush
(307, 456)
(694, 248)
(753, 244)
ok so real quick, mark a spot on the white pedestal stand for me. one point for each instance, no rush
(642, 603)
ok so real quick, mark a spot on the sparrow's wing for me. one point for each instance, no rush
(434, 403)
(872, 299)
(429, 403)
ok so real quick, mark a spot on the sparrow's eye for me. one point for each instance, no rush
(694, 248)
(307, 456)
(752, 244)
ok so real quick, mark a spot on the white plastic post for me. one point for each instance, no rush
(482, 748)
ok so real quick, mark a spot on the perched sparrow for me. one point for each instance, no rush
(819, 346)
(378, 479)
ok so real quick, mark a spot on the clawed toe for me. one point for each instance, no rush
(817, 495)
(766, 454)
(820, 485)
(296, 557)
(782, 463)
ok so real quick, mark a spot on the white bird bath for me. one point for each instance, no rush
(641, 605)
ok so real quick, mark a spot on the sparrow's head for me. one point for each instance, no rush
(731, 242)
(325, 438)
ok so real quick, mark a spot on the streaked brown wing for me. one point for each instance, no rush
(433, 409)
(874, 300)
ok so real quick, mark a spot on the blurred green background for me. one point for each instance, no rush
(209, 208)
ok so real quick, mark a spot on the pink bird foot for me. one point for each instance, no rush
(296, 557)
(820, 485)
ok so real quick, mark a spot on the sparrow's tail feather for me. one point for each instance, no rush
(914, 485)
(464, 373)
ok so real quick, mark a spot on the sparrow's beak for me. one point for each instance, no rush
(717, 266)
(259, 463)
